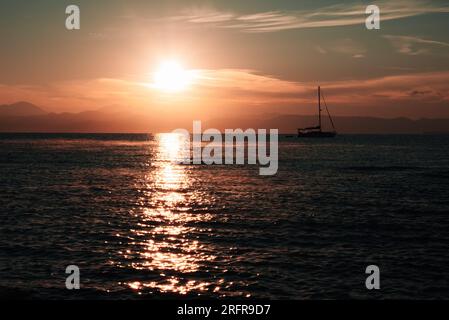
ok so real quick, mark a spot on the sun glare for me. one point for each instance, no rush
(172, 77)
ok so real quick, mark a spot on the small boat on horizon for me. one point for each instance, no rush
(317, 132)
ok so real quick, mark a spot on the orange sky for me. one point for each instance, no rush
(215, 90)
(250, 59)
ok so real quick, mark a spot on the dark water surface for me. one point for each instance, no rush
(140, 226)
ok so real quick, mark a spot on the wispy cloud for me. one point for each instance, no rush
(427, 87)
(240, 89)
(413, 45)
(349, 47)
(331, 16)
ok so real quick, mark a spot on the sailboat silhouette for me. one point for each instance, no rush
(317, 132)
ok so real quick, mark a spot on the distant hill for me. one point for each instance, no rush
(20, 109)
(26, 117)
(343, 124)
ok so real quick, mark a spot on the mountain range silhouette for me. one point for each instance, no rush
(27, 117)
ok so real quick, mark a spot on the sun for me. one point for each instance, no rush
(170, 76)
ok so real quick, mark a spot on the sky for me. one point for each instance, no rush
(247, 57)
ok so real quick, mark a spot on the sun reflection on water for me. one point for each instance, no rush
(164, 239)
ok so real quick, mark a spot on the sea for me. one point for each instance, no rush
(138, 225)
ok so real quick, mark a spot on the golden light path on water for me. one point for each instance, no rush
(168, 246)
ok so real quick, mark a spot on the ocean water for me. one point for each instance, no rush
(142, 227)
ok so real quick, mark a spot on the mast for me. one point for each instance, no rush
(319, 107)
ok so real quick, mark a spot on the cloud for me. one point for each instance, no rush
(211, 18)
(414, 88)
(349, 47)
(345, 46)
(221, 90)
(413, 45)
(331, 16)
(417, 88)
(321, 50)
